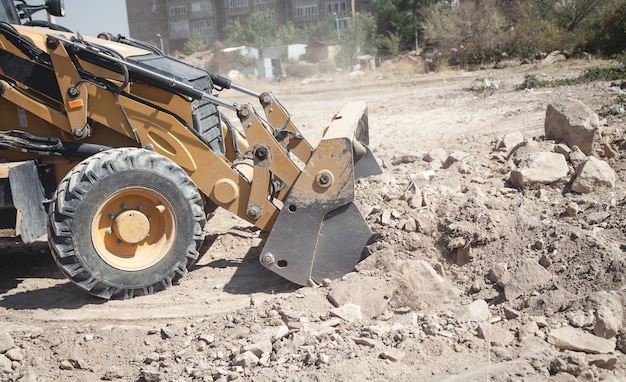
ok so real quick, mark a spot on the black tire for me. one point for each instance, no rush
(126, 220)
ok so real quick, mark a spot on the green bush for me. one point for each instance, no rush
(469, 34)
(610, 73)
(609, 31)
(531, 36)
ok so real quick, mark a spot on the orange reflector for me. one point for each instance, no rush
(76, 104)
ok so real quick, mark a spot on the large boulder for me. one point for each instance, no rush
(542, 168)
(572, 121)
(594, 174)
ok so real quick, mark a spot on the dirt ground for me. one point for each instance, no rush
(434, 301)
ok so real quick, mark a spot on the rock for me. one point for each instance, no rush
(246, 359)
(15, 354)
(604, 361)
(5, 364)
(597, 217)
(408, 319)
(577, 157)
(371, 295)
(322, 359)
(356, 74)
(321, 328)
(151, 375)
(608, 314)
(385, 218)
(545, 261)
(404, 159)
(66, 365)
(113, 373)
(621, 343)
(495, 335)
(498, 274)
(540, 244)
(572, 121)
(510, 142)
(594, 175)
(207, 339)
(348, 312)
(463, 256)
(477, 311)
(369, 342)
(393, 355)
(568, 338)
(436, 155)
(616, 109)
(579, 318)
(456, 156)
(570, 363)
(152, 357)
(527, 150)
(543, 168)
(219, 373)
(274, 333)
(239, 333)
(78, 363)
(415, 201)
(291, 314)
(541, 321)
(29, 376)
(170, 331)
(259, 348)
(572, 209)
(425, 224)
(309, 359)
(563, 149)
(528, 330)
(6, 342)
(553, 57)
(510, 313)
(528, 275)
(410, 225)
(607, 148)
(378, 330)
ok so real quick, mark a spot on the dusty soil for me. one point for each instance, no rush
(430, 303)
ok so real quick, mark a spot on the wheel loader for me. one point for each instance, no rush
(118, 154)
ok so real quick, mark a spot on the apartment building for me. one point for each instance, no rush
(170, 23)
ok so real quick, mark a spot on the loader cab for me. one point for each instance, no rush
(13, 11)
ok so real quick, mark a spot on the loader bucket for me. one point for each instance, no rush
(320, 233)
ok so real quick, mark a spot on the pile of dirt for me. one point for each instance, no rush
(474, 273)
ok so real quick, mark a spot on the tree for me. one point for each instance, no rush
(402, 18)
(609, 30)
(468, 34)
(194, 44)
(568, 15)
(571, 13)
(361, 35)
(236, 33)
(325, 30)
(288, 34)
(260, 29)
(391, 43)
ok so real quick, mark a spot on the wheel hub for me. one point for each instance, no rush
(133, 229)
(131, 226)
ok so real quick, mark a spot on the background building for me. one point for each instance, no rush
(170, 23)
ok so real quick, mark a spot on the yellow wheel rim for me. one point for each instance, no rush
(133, 229)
